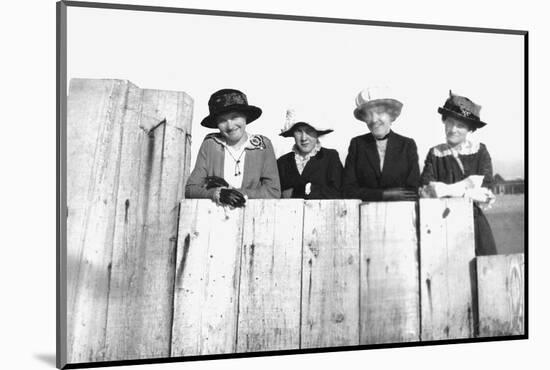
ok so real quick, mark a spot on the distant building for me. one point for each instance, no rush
(501, 186)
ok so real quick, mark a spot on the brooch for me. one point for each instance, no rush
(256, 142)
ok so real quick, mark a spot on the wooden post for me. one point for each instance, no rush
(207, 279)
(390, 295)
(447, 283)
(501, 295)
(151, 186)
(124, 185)
(269, 303)
(94, 139)
(330, 277)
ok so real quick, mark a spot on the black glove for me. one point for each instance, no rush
(392, 194)
(215, 182)
(232, 197)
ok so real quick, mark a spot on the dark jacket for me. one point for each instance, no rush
(323, 171)
(362, 176)
(440, 165)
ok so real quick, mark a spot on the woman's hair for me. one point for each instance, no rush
(304, 124)
(394, 112)
(470, 127)
(391, 110)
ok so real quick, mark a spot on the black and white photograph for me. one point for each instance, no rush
(318, 184)
(245, 185)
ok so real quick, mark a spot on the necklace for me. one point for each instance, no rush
(237, 161)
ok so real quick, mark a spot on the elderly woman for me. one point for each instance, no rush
(309, 171)
(232, 164)
(381, 165)
(462, 167)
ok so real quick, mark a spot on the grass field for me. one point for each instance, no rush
(507, 222)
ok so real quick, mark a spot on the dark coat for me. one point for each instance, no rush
(362, 176)
(441, 166)
(323, 171)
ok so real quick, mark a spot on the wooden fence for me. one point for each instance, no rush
(290, 274)
(151, 277)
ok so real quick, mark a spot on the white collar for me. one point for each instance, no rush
(466, 148)
(253, 142)
(309, 155)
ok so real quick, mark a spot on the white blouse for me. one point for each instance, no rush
(381, 147)
(233, 165)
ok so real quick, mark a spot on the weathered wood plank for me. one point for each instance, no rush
(94, 137)
(269, 303)
(330, 278)
(447, 283)
(501, 295)
(207, 279)
(390, 295)
(151, 187)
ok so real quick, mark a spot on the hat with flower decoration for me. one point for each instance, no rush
(463, 109)
(298, 115)
(229, 100)
(376, 96)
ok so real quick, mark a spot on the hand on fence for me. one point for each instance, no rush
(215, 182)
(483, 196)
(232, 197)
(399, 194)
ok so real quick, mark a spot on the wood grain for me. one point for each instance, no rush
(207, 279)
(94, 139)
(501, 295)
(151, 186)
(269, 303)
(447, 282)
(124, 185)
(390, 293)
(330, 278)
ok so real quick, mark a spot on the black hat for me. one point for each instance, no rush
(227, 100)
(464, 109)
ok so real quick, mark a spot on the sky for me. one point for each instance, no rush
(320, 67)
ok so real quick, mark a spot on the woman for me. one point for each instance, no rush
(461, 167)
(309, 171)
(381, 165)
(233, 165)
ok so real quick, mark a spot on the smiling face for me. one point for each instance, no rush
(379, 119)
(305, 137)
(232, 126)
(456, 130)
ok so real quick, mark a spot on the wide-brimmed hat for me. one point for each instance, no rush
(297, 116)
(227, 100)
(375, 96)
(463, 109)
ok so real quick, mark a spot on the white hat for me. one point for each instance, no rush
(374, 96)
(296, 115)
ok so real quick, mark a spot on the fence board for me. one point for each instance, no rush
(390, 294)
(151, 187)
(447, 283)
(94, 135)
(269, 303)
(330, 278)
(501, 295)
(207, 279)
